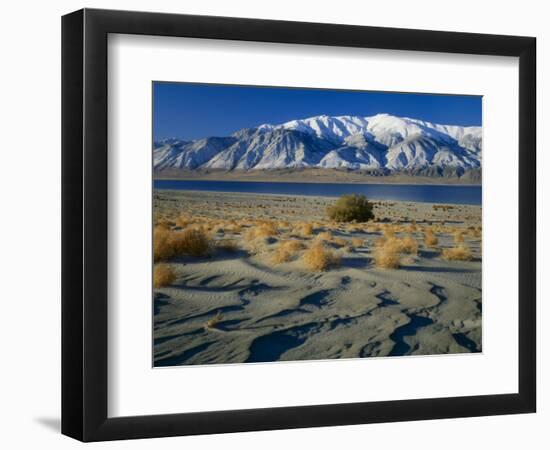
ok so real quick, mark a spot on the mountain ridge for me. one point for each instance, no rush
(383, 143)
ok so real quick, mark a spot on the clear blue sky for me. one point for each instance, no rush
(192, 111)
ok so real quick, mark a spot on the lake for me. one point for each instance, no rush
(454, 194)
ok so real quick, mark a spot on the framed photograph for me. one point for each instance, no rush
(273, 224)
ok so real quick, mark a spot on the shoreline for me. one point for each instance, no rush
(306, 196)
(314, 176)
(267, 180)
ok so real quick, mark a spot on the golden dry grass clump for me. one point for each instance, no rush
(412, 228)
(304, 229)
(163, 224)
(387, 256)
(218, 228)
(408, 245)
(324, 236)
(430, 239)
(256, 238)
(286, 251)
(458, 237)
(388, 231)
(183, 220)
(283, 224)
(357, 242)
(445, 208)
(234, 228)
(379, 242)
(280, 256)
(474, 232)
(353, 228)
(163, 275)
(459, 253)
(403, 245)
(192, 242)
(340, 241)
(262, 230)
(292, 245)
(168, 244)
(213, 321)
(318, 258)
(267, 228)
(162, 247)
(374, 228)
(256, 246)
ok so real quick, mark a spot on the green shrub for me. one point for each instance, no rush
(350, 208)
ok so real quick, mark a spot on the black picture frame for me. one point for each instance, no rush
(84, 224)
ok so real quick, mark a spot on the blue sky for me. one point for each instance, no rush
(191, 111)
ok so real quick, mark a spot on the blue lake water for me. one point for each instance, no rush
(455, 194)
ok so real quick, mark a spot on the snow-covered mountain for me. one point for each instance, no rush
(380, 142)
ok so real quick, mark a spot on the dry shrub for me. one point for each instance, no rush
(459, 253)
(262, 230)
(389, 231)
(349, 208)
(249, 235)
(340, 241)
(283, 224)
(192, 242)
(162, 245)
(256, 246)
(324, 236)
(163, 275)
(474, 232)
(387, 256)
(375, 228)
(401, 245)
(357, 242)
(286, 251)
(280, 255)
(408, 245)
(197, 226)
(183, 220)
(430, 239)
(218, 228)
(214, 321)
(266, 228)
(379, 242)
(164, 224)
(292, 245)
(445, 208)
(319, 258)
(234, 228)
(304, 229)
(354, 228)
(458, 237)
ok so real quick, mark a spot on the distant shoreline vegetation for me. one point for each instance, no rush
(428, 176)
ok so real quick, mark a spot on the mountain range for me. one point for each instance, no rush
(381, 143)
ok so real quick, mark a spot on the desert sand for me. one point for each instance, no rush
(241, 303)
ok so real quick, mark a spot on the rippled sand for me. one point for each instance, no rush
(234, 307)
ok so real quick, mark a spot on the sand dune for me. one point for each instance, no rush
(238, 306)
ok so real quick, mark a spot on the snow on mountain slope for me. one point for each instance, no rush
(189, 155)
(382, 141)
